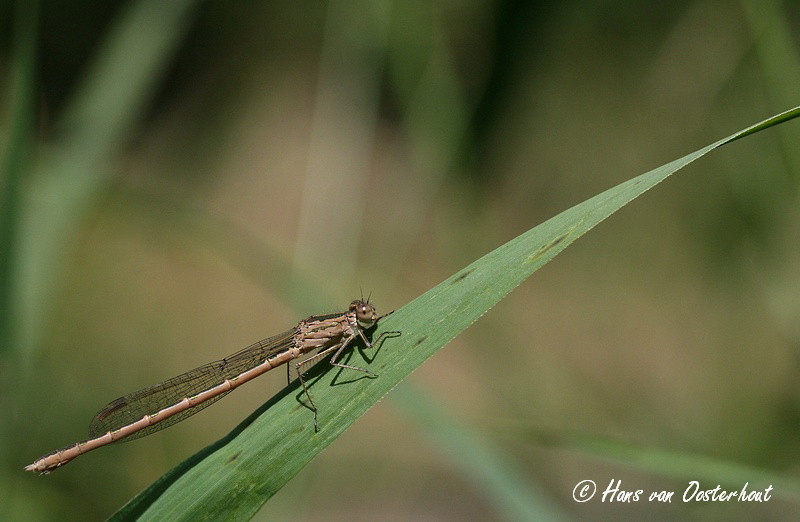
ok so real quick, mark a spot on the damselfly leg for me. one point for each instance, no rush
(339, 349)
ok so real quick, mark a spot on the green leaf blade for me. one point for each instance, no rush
(234, 477)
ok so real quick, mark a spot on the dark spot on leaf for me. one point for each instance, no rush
(461, 277)
(233, 457)
(556, 241)
(421, 340)
(542, 251)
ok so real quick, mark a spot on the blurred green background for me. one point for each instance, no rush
(181, 179)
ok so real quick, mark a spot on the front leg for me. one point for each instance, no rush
(392, 333)
(340, 350)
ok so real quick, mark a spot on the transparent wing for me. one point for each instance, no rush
(148, 401)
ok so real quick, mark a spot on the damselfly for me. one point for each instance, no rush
(157, 407)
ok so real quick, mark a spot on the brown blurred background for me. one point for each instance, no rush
(201, 175)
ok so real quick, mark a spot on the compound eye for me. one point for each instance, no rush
(365, 314)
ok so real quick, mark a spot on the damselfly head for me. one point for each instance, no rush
(366, 315)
